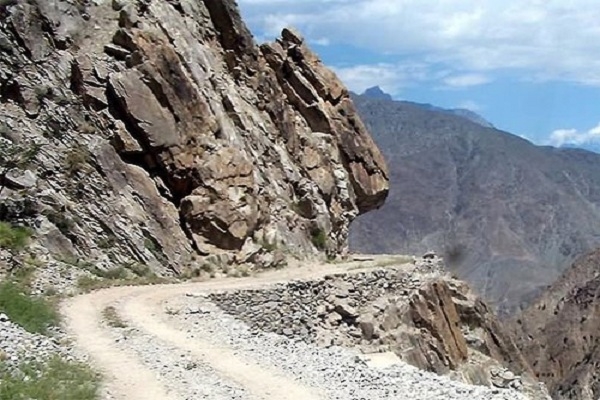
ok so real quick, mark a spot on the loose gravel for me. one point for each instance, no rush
(338, 372)
(18, 346)
(175, 369)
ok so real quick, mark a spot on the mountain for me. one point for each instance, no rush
(160, 134)
(509, 216)
(377, 93)
(595, 147)
(558, 333)
(472, 116)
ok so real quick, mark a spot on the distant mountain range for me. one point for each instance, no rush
(595, 147)
(509, 216)
(377, 93)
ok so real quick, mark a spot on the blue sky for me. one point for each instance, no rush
(530, 67)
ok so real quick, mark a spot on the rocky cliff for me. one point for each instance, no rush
(164, 134)
(558, 333)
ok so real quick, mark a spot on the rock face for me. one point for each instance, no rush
(508, 216)
(558, 333)
(426, 318)
(166, 134)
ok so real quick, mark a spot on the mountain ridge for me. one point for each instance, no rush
(509, 215)
(376, 92)
(558, 332)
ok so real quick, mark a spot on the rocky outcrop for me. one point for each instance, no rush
(558, 333)
(415, 311)
(168, 135)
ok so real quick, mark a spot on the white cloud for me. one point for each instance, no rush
(322, 41)
(562, 137)
(543, 39)
(466, 80)
(470, 105)
(390, 77)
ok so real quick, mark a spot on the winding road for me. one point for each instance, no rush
(127, 377)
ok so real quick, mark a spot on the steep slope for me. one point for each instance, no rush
(558, 333)
(163, 134)
(508, 215)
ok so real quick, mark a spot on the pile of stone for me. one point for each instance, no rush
(18, 346)
(506, 379)
(426, 318)
(303, 310)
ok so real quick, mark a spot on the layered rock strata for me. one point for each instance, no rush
(166, 134)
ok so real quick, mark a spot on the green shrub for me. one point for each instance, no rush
(319, 238)
(151, 246)
(33, 314)
(107, 242)
(88, 283)
(141, 270)
(115, 273)
(13, 237)
(55, 380)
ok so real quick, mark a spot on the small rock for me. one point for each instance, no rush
(345, 310)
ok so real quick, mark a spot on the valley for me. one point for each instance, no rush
(187, 213)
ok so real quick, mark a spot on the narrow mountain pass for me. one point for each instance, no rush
(171, 342)
(126, 376)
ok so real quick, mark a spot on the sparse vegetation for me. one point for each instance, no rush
(270, 247)
(77, 159)
(76, 262)
(87, 128)
(14, 157)
(107, 242)
(13, 238)
(64, 224)
(50, 291)
(88, 283)
(319, 238)
(111, 274)
(34, 314)
(150, 245)
(239, 272)
(44, 92)
(55, 380)
(140, 270)
(244, 271)
(207, 267)
(23, 275)
(112, 318)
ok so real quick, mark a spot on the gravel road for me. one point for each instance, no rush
(176, 344)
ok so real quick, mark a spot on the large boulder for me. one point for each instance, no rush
(169, 134)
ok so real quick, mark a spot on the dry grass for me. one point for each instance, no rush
(112, 318)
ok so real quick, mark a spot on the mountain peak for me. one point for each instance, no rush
(376, 92)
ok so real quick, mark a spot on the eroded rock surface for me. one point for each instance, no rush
(167, 134)
(558, 333)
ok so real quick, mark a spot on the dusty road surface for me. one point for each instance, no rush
(127, 375)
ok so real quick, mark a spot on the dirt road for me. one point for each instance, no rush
(125, 374)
